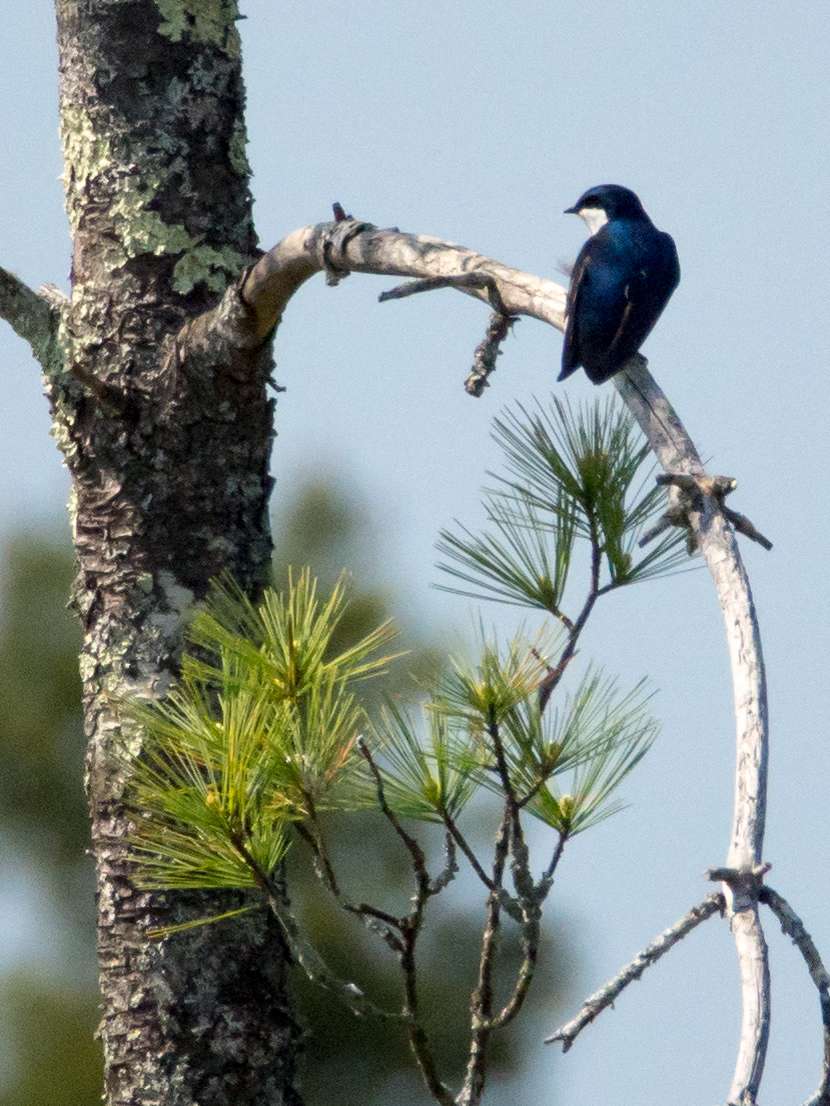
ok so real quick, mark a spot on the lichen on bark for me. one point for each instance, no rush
(166, 430)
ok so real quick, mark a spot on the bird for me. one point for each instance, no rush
(623, 278)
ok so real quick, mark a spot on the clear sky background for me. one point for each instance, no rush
(479, 122)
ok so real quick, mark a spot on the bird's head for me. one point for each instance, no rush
(604, 202)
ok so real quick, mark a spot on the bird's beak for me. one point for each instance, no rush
(571, 211)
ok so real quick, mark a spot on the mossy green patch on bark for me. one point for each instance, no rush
(201, 21)
(215, 268)
(237, 152)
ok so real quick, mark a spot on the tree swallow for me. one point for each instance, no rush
(622, 280)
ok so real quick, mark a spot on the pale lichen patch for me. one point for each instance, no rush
(200, 263)
(209, 21)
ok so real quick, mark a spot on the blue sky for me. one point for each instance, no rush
(480, 122)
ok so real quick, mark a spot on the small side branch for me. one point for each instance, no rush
(415, 851)
(30, 315)
(605, 996)
(794, 928)
(691, 489)
(303, 952)
(486, 352)
(375, 920)
(479, 280)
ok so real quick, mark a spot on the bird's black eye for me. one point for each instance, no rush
(589, 201)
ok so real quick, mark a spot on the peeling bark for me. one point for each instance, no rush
(167, 437)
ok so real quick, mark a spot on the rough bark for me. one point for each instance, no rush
(166, 431)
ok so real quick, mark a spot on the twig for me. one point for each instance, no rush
(745, 527)
(674, 516)
(793, 926)
(606, 995)
(303, 952)
(463, 844)
(376, 920)
(554, 860)
(481, 1003)
(413, 848)
(486, 353)
(527, 969)
(410, 930)
(477, 280)
(551, 681)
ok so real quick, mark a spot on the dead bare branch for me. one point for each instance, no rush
(603, 998)
(793, 926)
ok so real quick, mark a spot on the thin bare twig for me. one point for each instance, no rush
(303, 952)
(527, 969)
(487, 352)
(794, 928)
(554, 860)
(603, 998)
(551, 681)
(412, 847)
(376, 920)
(745, 527)
(410, 931)
(481, 1003)
(477, 279)
(464, 845)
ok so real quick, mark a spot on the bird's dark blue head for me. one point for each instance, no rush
(604, 202)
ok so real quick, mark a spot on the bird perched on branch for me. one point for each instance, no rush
(622, 280)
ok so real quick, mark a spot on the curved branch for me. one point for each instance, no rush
(348, 245)
(718, 544)
(794, 928)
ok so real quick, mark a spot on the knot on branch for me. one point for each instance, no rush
(687, 494)
(744, 883)
(333, 243)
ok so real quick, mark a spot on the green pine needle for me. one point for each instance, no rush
(424, 780)
(572, 474)
(261, 731)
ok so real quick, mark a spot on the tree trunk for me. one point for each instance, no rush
(166, 429)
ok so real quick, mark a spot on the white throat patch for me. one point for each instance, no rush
(593, 217)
